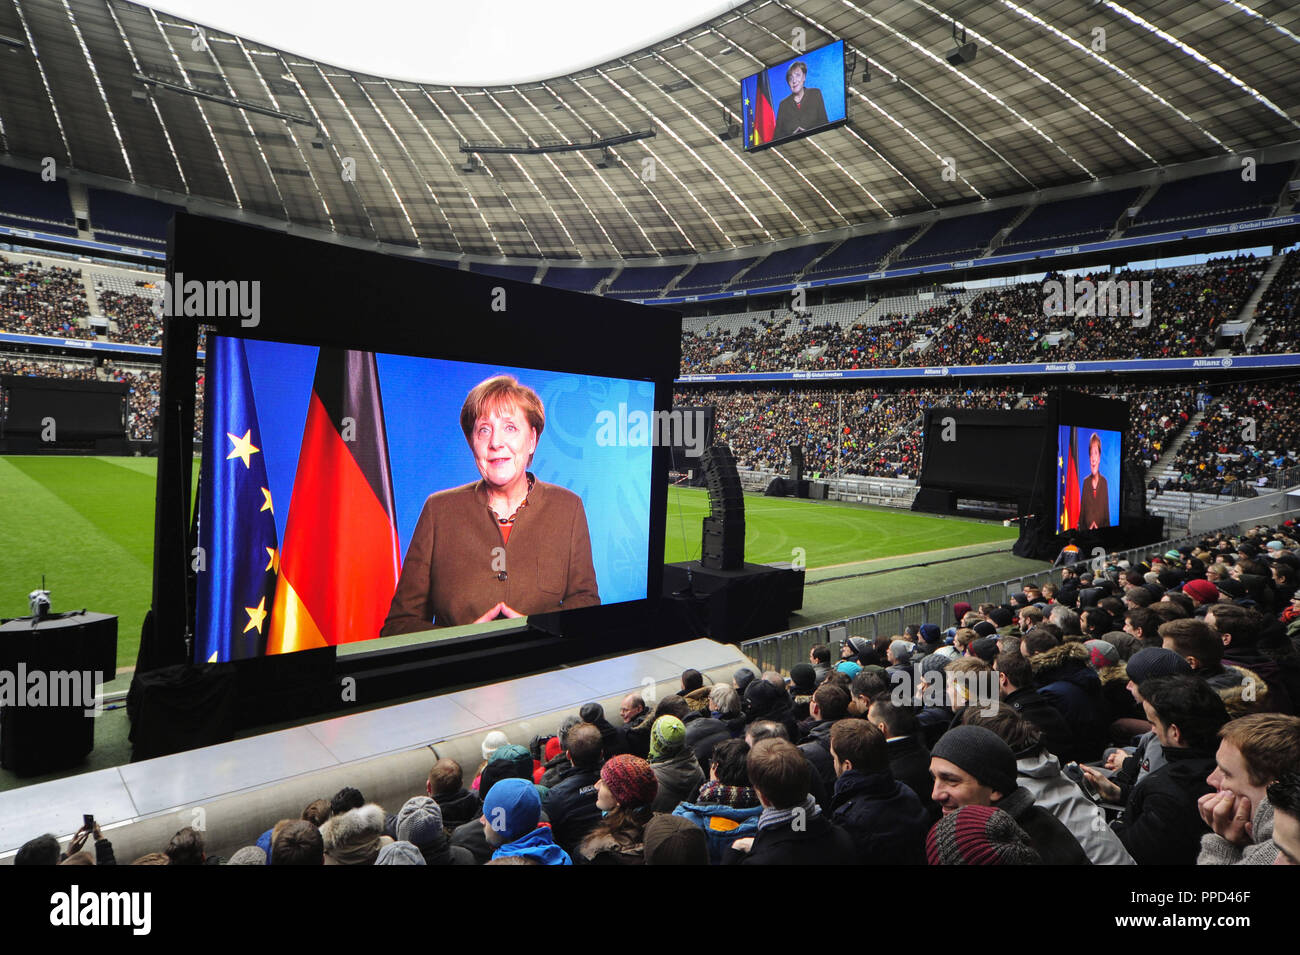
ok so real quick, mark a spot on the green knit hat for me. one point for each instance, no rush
(667, 737)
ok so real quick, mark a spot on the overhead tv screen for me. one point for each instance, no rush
(346, 495)
(800, 96)
(1087, 478)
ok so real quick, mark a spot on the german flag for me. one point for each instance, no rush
(1070, 499)
(341, 557)
(764, 115)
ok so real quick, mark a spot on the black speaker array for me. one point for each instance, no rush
(723, 547)
(796, 463)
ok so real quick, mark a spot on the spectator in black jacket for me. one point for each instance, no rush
(635, 730)
(571, 803)
(909, 760)
(1016, 685)
(829, 704)
(1162, 823)
(885, 818)
(791, 829)
(447, 787)
(1063, 678)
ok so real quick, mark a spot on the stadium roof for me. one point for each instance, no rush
(122, 91)
(444, 43)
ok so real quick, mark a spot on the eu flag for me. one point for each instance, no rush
(239, 557)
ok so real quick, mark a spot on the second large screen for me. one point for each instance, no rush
(794, 98)
(320, 520)
(1087, 478)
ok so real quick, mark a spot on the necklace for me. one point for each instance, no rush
(522, 504)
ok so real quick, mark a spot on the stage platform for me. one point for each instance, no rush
(238, 789)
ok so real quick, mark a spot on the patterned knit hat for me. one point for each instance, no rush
(667, 737)
(630, 779)
(979, 835)
(1101, 654)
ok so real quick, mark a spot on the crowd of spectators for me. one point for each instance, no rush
(1008, 325)
(36, 300)
(1279, 310)
(137, 324)
(869, 432)
(144, 397)
(1249, 431)
(1136, 713)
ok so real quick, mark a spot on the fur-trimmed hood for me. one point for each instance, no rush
(354, 837)
(1067, 654)
(625, 846)
(1116, 674)
(1243, 691)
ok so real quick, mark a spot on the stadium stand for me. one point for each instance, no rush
(958, 238)
(1222, 451)
(115, 217)
(781, 268)
(40, 300)
(1070, 221)
(1211, 199)
(708, 277)
(519, 273)
(1279, 310)
(29, 202)
(574, 279)
(642, 281)
(859, 255)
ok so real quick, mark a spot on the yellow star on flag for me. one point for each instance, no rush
(256, 615)
(272, 561)
(243, 448)
(266, 502)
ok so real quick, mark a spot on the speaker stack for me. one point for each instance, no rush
(796, 464)
(723, 547)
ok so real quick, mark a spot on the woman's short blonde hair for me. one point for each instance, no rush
(499, 394)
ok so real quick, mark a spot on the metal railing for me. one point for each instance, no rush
(781, 651)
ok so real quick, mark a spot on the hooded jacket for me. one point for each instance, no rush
(1115, 697)
(537, 845)
(612, 848)
(355, 837)
(679, 777)
(1243, 691)
(1066, 681)
(885, 819)
(1040, 774)
(1055, 843)
(1161, 824)
(1034, 708)
(722, 824)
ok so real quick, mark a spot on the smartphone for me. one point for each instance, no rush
(88, 822)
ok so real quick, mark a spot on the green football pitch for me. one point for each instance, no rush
(87, 524)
